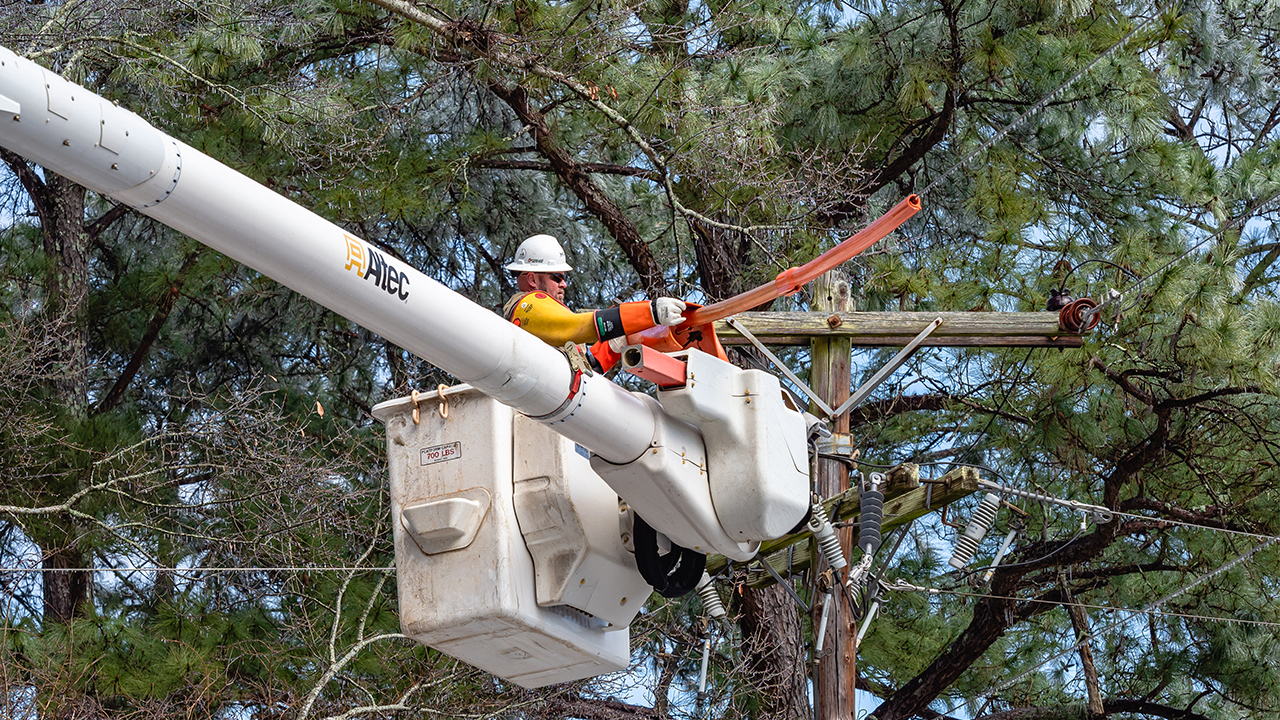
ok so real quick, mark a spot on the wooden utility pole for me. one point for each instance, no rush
(835, 673)
(832, 329)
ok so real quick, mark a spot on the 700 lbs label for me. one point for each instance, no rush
(441, 453)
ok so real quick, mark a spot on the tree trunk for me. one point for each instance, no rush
(773, 645)
(60, 205)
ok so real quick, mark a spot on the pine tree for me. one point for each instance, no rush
(688, 149)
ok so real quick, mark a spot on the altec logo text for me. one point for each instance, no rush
(370, 265)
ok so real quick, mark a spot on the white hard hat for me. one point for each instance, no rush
(540, 253)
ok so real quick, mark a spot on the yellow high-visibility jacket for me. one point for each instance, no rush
(555, 324)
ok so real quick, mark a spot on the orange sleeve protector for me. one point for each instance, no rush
(604, 356)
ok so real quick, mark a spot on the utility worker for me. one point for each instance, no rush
(539, 307)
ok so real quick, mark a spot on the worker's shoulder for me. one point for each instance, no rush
(528, 300)
(509, 308)
(531, 300)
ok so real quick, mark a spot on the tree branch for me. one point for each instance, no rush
(31, 182)
(1212, 517)
(1110, 707)
(105, 220)
(1106, 574)
(1123, 381)
(163, 308)
(591, 709)
(1206, 396)
(880, 409)
(576, 177)
(596, 168)
(1145, 707)
(994, 614)
(471, 39)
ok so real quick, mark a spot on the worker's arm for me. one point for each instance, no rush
(556, 324)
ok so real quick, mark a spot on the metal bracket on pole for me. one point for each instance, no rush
(785, 585)
(733, 323)
(903, 355)
(1113, 296)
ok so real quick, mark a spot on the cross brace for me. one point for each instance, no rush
(895, 329)
(905, 500)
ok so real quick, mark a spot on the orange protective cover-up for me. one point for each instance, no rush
(790, 281)
(698, 329)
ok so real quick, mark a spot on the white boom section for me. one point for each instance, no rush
(82, 136)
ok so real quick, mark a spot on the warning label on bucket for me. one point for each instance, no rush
(441, 453)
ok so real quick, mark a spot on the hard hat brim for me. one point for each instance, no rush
(539, 267)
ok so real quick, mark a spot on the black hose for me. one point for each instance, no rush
(672, 575)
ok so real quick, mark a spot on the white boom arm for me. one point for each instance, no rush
(82, 136)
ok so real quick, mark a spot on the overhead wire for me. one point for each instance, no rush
(1238, 221)
(184, 570)
(1037, 108)
(1117, 513)
(1183, 523)
(1067, 503)
(1093, 634)
(900, 586)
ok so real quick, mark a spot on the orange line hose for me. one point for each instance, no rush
(790, 281)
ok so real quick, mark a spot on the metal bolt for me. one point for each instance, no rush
(834, 322)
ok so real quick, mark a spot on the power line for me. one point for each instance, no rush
(1239, 220)
(283, 568)
(1146, 610)
(1037, 108)
(1095, 510)
(1101, 514)
(904, 586)
(1228, 531)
